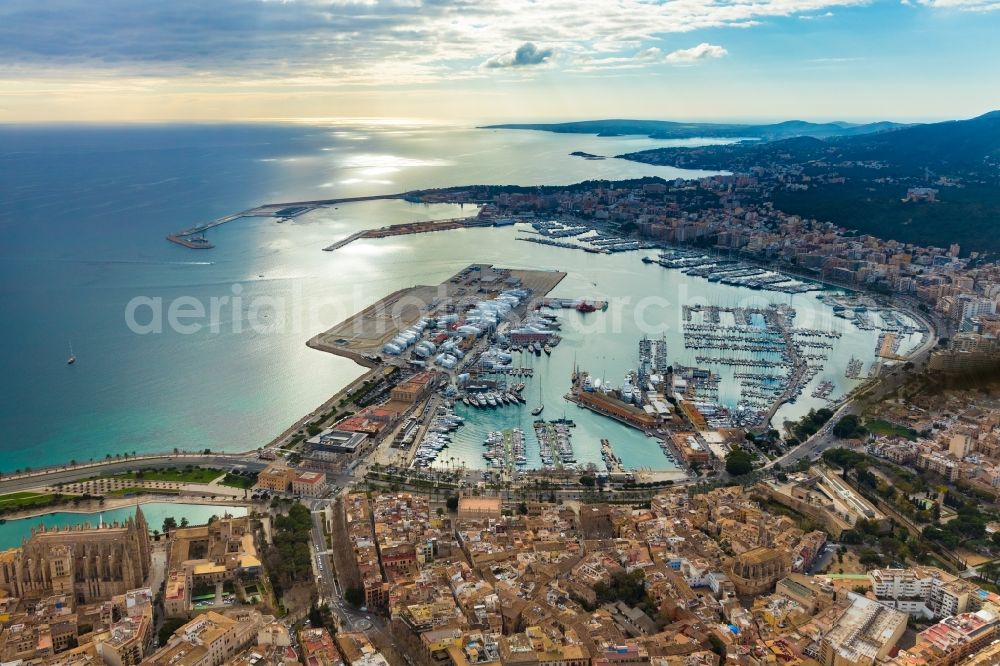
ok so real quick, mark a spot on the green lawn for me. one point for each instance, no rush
(880, 427)
(237, 481)
(180, 475)
(25, 500)
(139, 490)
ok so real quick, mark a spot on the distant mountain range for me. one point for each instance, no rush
(871, 174)
(665, 129)
(952, 146)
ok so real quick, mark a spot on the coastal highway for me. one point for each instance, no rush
(67, 474)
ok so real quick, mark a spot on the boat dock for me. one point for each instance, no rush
(611, 459)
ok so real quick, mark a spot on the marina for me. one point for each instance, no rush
(729, 272)
(755, 349)
(505, 450)
(733, 365)
(554, 446)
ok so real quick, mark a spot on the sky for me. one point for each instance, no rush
(512, 60)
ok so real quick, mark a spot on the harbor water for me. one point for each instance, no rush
(86, 215)
(14, 531)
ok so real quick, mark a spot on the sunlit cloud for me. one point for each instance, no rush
(963, 5)
(319, 59)
(345, 42)
(703, 51)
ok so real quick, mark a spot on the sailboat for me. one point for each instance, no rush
(72, 359)
(538, 410)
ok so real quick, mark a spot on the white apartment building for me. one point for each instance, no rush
(923, 592)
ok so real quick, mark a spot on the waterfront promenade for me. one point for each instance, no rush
(49, 476)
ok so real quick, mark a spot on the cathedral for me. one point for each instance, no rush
(89, 563)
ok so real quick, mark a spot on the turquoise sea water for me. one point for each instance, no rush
(14, 531)
(86, 210)
(85, 213)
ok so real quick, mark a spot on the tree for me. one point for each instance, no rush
(169, 523)
(315, 617)
(739, 462)
(849, 427)
(452, 503)
(718, 646)
(354, 596)
(170, 625)
(587, 481)
(184, 522)
(844, 458)
(628, 588)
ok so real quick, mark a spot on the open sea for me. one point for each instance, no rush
(85, 211)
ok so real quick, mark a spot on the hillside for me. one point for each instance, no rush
(665, 129)
(950, 147)
(861, 182)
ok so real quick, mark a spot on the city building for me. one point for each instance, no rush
(866, 631)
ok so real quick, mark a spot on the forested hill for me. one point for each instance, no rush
(948, 147)
(665, 129)
(864, 182)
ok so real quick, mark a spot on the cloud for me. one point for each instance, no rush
(962, 5)
(703, 51)
(813, 17)
(525, 55)
(247, 43)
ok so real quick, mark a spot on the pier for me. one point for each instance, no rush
(582, 304)
(194, 237)
(407, 228)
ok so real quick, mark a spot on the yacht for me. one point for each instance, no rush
(627, 389)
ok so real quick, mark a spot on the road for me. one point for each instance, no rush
(327, 585)
(50, 476)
